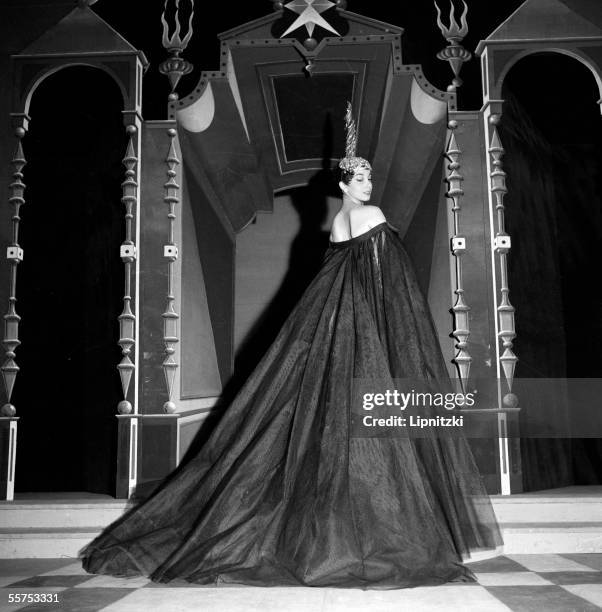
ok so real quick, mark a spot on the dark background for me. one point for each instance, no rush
(139, 21)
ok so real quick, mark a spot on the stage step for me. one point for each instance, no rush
(32, 543)
(56, 515)
(59, 525)
(567, 505)
(47, 525)
(556, 538)
(566, 520)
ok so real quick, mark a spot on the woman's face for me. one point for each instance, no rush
(359, 188)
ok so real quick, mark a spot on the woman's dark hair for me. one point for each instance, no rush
(345, 176)
(347, 170)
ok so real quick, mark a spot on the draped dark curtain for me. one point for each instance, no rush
(70, 285)
(551, 131)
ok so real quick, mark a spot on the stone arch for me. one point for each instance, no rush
(47, 72)
(552, 182)
(73, 214)
(576, 54)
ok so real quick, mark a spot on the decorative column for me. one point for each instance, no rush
(507, 406)
(127, 455)
(14, 254)
(127, 319)
(458, 248)
(501, 246)
(170, 253)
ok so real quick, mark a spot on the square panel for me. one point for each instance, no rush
(496, 565)
(591, 560)
(562, 578)
(512, 579)
(82, 600)
(54, 593)
(311, 114)
(536, 598)
(50, 581)
(114, 582)
(31, 567)
(589, 592)
(548, 563)
(73, 569)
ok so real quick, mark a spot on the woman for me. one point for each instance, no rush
(289, 490)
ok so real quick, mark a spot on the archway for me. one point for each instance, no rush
(70, 285)
(551, 130)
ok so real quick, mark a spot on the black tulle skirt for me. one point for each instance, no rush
(285, 492)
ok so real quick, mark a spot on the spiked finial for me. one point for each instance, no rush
(454, 53)
(176, 42)
(454, 32)
(175, 67)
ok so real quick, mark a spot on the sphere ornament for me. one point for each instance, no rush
(278, 6)
(310, 43)
(124, 407)
(169, 407)
(8, 410)
(20, 132)
(510, 400)
(341, 4)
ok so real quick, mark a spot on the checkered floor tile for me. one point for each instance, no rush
(526, 583)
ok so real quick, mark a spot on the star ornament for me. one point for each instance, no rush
(309, 15)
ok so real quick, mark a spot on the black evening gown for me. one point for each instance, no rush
(283, 493)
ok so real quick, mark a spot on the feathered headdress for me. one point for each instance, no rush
(350, 163)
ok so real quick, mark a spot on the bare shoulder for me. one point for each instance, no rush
(368, 212)
(339, 229)
(365, 218)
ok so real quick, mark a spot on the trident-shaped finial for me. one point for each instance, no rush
(175, 42)
(174, 67)
(454, 53)
(454, 32)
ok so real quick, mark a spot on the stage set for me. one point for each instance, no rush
(150, 263)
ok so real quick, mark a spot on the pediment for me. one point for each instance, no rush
(355, 25)
(81, 31)
(551, 19)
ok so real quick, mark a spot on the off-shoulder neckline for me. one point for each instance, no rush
(343, 243)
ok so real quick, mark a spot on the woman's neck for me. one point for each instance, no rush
(350, 204)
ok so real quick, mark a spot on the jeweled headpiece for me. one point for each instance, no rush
(350, 163)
